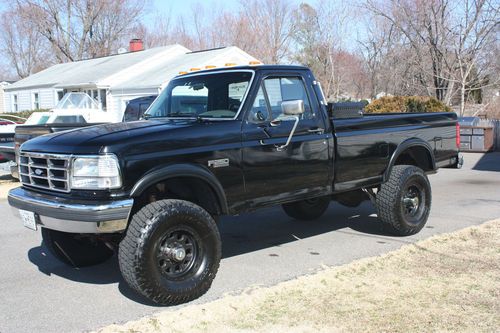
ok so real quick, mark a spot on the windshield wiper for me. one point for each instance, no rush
(200, 119)
(147, 117)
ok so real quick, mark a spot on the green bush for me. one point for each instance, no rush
(23, 114)
(406, 104)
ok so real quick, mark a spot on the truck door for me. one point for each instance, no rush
(300, 168)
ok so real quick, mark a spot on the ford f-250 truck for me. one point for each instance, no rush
(220, 142)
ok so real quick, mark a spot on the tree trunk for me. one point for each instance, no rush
(462, 99)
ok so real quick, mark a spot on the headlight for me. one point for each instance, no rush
(95, 173)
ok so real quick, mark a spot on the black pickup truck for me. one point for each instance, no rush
(221, 142)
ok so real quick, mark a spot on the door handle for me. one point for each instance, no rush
(316, 130)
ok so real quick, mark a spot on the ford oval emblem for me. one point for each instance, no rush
(38, 172)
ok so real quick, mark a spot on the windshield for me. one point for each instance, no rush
(77, 100)
(38, 118)
(216, 95)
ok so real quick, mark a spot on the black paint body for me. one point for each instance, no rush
(349, 153)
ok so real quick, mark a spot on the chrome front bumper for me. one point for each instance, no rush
(14, 171)
(72, 216)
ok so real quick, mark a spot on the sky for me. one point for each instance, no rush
(184, 6)
(177, 8)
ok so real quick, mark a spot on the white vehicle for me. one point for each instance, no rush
(73, 108)
(8, 123)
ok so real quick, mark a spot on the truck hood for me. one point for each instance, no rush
(121, 138)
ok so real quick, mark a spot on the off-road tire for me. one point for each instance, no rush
(74, 249)
(152, 230)
(390, 200)
(307, 210)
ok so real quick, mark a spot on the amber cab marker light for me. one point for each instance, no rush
(254, 63)
(194, 69)
(182, 73)
(210, 66)
(230, 64)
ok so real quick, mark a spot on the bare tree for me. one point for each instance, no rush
(376, 46)
(78, 29)
(425, 26)
(319, 40)
(24, 47)
(239, 34)
(474, 32)
(262, 28)
(271, 22)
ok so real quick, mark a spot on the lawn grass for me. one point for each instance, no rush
(447, 283)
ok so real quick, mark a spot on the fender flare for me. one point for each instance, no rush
(182, 170)
(405, 145)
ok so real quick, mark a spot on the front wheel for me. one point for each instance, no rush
(76, 250)
(306, 210)
(171, 252)
(404, 201)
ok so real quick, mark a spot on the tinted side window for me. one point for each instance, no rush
(236, 92)
(131, 113)
(259, 112)
(69, 119)
(142, 108)
(286, 89)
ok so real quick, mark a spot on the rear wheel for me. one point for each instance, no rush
(171, 252)
(306, 210)
(404, 201)
(76, 250)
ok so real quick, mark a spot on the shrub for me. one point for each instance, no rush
(406, 104)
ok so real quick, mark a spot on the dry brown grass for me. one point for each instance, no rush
(448, 283)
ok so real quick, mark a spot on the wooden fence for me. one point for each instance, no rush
(495, 123)
(496, 132)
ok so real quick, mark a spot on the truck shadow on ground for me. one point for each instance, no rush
(488, 162)
(243, 234)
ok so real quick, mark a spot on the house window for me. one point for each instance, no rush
(102, 99)
(14, 103)
(36, 101)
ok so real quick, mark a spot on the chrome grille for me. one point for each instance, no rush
(46, 171)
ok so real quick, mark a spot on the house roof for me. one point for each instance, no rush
(92, 71)
(159, 75)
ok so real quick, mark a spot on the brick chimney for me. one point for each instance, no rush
(136, 45)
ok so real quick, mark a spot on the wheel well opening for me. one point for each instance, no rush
(184, 188)
(417, 156)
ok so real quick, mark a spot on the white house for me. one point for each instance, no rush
(151, 81)
(116, 79)
(3, 97)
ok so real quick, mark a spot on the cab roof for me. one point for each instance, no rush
(255, 68)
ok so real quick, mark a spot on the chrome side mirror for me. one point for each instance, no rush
(292, 108)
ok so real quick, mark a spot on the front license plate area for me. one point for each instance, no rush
(29, 219)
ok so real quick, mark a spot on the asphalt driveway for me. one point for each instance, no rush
(39, 294)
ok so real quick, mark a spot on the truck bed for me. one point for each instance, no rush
(364, 146)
